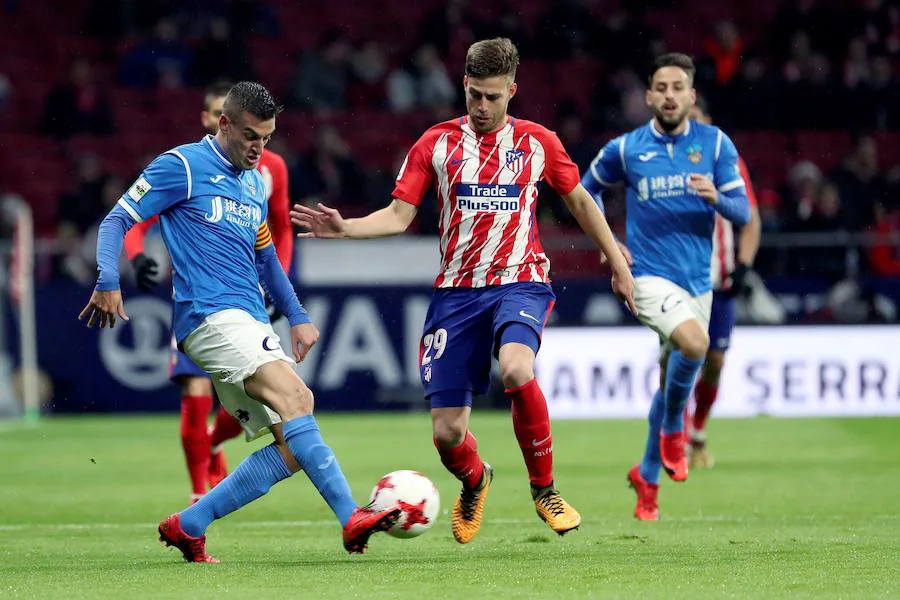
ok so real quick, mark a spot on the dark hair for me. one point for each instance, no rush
(673, 59)
(489, 58)
(251, 97)
(216, 90)
(701, 104)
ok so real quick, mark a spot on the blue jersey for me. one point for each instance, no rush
(212, 219)
(670, 227)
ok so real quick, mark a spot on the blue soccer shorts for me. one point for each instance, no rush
(462, 333)
(722, 321)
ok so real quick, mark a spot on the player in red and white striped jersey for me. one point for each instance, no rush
(492, 293)
(728, 269)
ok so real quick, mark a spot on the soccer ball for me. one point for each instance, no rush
(414, 494)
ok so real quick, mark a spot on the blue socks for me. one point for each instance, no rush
(250, 480)
(321, 466)
(264, 468)
(651, 463)
(681, 372)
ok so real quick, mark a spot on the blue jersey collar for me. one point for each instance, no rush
(665, 136)
(217, 150)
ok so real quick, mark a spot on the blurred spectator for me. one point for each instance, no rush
(6, 90)
(751, 100)
(725, 50)
(368, 66)
(622, 29)
(856, 64)
(162, 60)
(875, 105)
(796, 16)
(506, 23)
(810, 98)
(620, 103)
(82, 203)
(446, 25)
(221, 55)
(826, 261)
(797, 197)
(861, 184)
(78, 104)
(328, 173)
(425, 84)
(878, 21)
(79, 261)
(321, 80)
(884, 257)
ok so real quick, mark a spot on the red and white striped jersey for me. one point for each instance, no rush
(724, 251)
(487, 190)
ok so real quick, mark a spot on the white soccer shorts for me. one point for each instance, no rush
(663, 306)
(231, 345)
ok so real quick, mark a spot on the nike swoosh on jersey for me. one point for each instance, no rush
(539, 442)
(217, 178)
(327, 462)
(647, 156)
(522, 313)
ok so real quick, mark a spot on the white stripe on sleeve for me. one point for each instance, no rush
(129, 209)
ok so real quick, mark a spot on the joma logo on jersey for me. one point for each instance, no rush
(235, 212)
(488, 197)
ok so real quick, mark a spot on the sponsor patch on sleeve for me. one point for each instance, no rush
(139, 189)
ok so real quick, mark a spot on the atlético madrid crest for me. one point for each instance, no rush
(515, 160)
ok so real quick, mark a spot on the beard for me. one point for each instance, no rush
(670, 123)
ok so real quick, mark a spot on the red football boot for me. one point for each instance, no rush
(647, 508)
(193, 548)
(363, 523)
(674, 460)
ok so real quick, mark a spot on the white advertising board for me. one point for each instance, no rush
(780, 371)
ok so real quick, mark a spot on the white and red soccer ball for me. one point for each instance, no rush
(412, 493)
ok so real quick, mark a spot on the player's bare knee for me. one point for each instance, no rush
(300, 400)
(449, 433)
(695, 346)
(516, 373)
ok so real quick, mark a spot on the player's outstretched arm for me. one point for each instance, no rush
(328, 223)
(593, 223)
(106, 302)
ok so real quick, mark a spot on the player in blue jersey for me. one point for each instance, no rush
(212, 206)
(678, 175)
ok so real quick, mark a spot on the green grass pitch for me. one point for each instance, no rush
(793, 509)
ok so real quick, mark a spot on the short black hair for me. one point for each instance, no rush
(251, 97)
(219, 89)
(673, 59)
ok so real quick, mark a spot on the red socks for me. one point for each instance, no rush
(463, 461)
(195, 439)
(224, 428)
(531, 422)
(704, 397)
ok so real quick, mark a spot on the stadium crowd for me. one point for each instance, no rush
(806, 88)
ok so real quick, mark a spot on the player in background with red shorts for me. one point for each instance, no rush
(492, 295)
(202, 444)
(728, 270)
